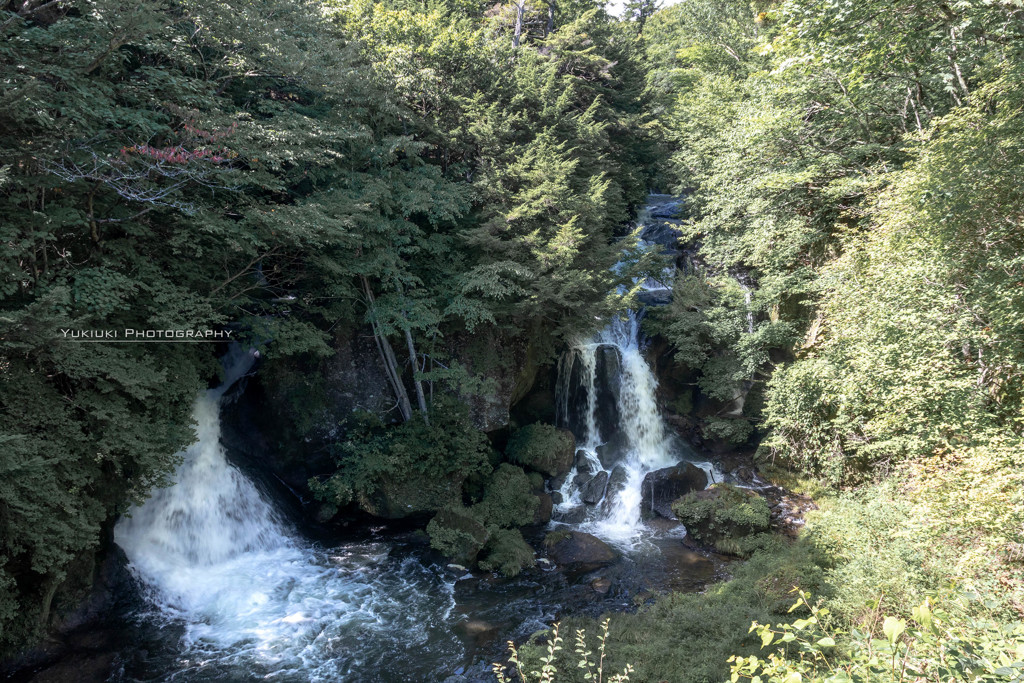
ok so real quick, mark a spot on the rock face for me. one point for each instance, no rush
(543, 514)
(506, 363)
(663, 487)
(577, 549)
(593, 490)
(607, 387)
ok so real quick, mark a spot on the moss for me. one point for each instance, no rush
(722, 515)
(543, 448)
(457, 533)
(509, 500)
(536, 482)
(689, 637)
(507, 552)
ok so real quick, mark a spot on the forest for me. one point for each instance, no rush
(414, 212)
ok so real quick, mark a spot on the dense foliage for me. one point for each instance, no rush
(853, 296)
(278, 169)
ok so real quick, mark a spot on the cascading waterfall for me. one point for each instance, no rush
(251, 597)
(636, 441)
(636, 445)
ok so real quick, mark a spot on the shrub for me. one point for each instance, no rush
(942, 642)
(508, 499)
(507, 552)
(721, 515)
(458, 534)
(541, 447)
(591, 669)
(377, 460)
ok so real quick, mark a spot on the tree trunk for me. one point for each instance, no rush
(416, 383)
(387, 356)
(551, 18)
(520, 9)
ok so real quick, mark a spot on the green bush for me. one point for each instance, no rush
(458, 534)
(508, 500)
(412, 466)
(507, 552)
(541, 447)
(722, 515)
(944, 641)
(688, 637)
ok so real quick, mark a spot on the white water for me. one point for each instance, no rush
(644, 445)
(640, 438)
(219, 562)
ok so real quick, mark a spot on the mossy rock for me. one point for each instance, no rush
(458, 534)
(507, 552)
(509, 500)
(725, 517)
(543, 448)
(396, 498)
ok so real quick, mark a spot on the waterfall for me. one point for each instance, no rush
(216, 559)
(614, 415)
(638, 443)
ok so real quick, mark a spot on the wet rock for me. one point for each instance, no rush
(665, 206)
(571, 516)
(581, 480)
(556, 497)
(543, 513)
(663, 487)
(578, 549)
(610, 452)
(616, 484)
(582, 463)
(556, 483)
(82, 668)
(607, 386)
(601, 585)
(655, 297)
(746, 475)
(593, 491)
(664, 231)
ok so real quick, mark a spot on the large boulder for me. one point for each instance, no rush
(616, 485)
(663, 487)
(577, 549)
(544, 508)
(613, 450)
(593, 491)
(399, 497)
(727, 517)
(544, 448)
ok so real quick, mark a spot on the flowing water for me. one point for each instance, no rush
(626, 440)
(232, 592)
